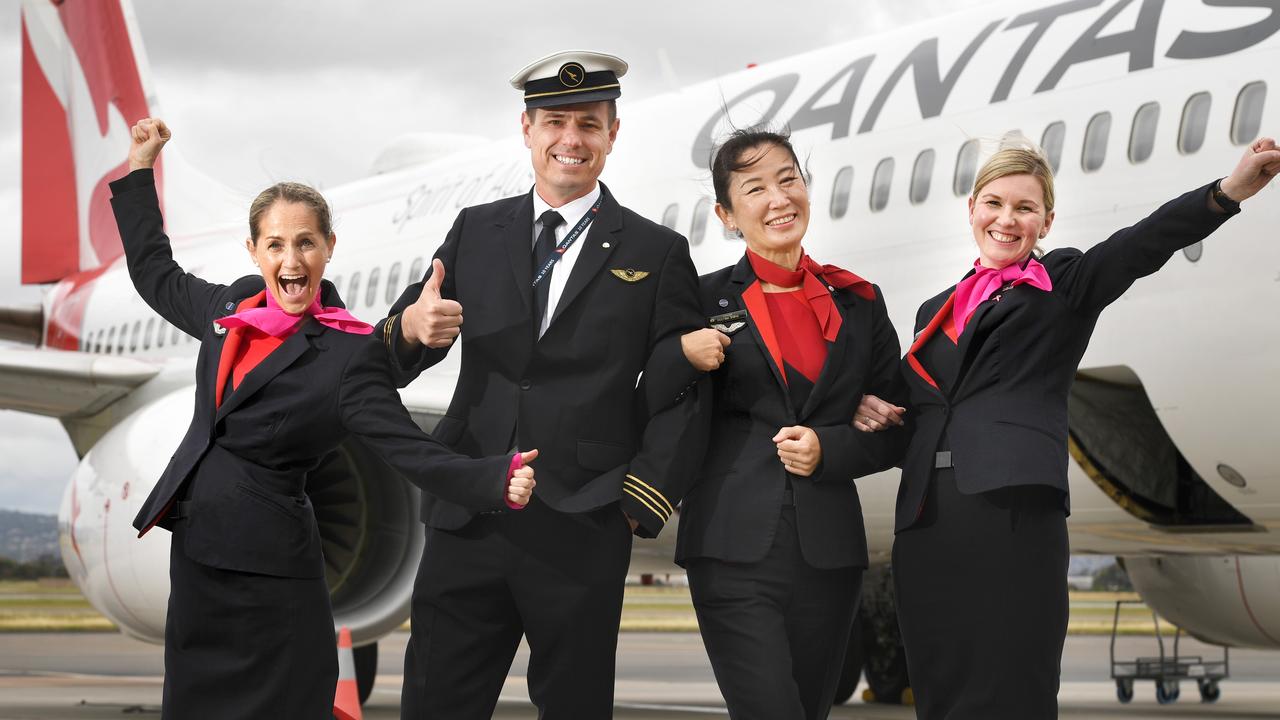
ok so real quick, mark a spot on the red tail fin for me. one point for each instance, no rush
(82, 86)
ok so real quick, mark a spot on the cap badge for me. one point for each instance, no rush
(572, 74)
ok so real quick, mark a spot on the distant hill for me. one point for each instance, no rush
(27, 536)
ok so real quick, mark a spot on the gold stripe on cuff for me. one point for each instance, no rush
(636, 489)
(644, 502)
(654, 491)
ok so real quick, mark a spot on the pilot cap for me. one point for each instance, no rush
(569, 77)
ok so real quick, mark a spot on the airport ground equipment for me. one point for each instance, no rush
(1166, 671)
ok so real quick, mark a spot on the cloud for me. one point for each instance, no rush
(39, 461)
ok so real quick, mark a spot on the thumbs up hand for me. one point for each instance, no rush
(432, 320)
(520, 485)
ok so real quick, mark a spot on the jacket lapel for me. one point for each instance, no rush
(835, 356)
(230, 345)
(750, 297)
(272, 365)
(592, 254)
(516, 231)
(934, 327)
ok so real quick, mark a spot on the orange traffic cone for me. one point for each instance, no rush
(346, 700)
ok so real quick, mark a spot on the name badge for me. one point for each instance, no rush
(729, 323)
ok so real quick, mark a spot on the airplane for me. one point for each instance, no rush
(1135, 101)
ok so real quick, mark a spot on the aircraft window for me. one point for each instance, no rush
(337, 285)
(922, 176)
(393, 284)
(177, 335)
(160, 331)
(133, 336)
(371, 294)
(1142, 136)
(415, 270)
(1051, 143)
(1095, 142)
(353, 292)
(97, 340)
(880, 183)
(1247, 120)
(671, 215)
(1194, 251)
(146, 336)
(966, 168)
(840, 192)
(1195, 119)
(698, 227)
(111, 338)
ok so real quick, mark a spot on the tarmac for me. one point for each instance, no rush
(661, 676)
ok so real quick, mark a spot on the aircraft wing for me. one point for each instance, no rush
(66, 384)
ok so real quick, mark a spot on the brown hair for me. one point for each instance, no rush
(290, 192)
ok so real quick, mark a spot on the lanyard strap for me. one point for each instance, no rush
(568, 241)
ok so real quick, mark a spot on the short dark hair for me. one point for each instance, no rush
(613, 110)
(290, 192)
(735, 154)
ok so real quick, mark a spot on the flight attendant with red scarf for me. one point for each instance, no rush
(772, 534)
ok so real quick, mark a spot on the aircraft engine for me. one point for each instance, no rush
(1220, 600)
(367, 515)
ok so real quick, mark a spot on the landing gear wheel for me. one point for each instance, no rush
(1167, 691)
(366, 657)
(851, 673)
(1124, 689)
(1209, 690)
(885, 663)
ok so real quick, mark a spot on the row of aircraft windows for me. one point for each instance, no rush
(1246, 121)
(156, 334)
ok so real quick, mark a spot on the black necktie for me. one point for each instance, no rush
(542, 250)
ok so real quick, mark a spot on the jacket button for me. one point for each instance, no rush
(525, 384)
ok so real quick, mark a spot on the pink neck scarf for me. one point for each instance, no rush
(978, 287)
(274, 321)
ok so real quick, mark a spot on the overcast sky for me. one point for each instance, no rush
(307, 90)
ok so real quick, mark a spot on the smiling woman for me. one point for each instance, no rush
(281, 381)
(291, 239)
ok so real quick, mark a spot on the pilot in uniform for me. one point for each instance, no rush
(568, 296)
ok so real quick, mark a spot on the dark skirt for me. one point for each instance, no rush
(241, 645)
(981, 585)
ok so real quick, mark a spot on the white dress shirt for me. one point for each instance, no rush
(571, 212)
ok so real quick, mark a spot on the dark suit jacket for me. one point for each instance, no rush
(1006, 416)
(247, 460)
(572, 393)
(731, 513)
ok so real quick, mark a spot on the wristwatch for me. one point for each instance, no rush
(1224, 201)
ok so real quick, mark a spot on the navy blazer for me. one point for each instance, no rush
(732, 512)
(246, 461)
(1005, 417)
(572, 393)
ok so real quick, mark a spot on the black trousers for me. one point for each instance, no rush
(241, 645)
(776, 630)
(555, 578)
(981, 587)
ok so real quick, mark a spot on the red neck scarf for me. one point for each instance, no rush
(816, 282)
(274, 321)
(978, 287)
